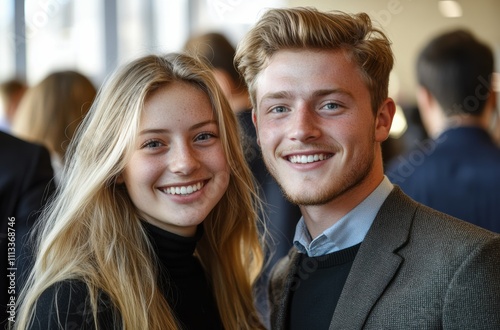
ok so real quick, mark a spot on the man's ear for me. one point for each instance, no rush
(254, 120)
(383, 120)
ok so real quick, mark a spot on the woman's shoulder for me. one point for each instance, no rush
(66, 305)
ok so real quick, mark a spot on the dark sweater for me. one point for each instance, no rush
(317, 287)
(182, 281)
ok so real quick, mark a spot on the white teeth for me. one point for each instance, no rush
(307, 159)
(184, 190)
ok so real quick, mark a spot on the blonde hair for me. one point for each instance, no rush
(308, 28)
(50, 111)
(91, 231)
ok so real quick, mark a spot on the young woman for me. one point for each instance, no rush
(154, 223)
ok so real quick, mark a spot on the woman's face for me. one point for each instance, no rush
(178, 171)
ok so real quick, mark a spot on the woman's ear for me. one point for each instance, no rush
(119, 179)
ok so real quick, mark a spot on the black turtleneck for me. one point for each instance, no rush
(183, 280)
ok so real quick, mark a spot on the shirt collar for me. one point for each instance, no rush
(350, 230)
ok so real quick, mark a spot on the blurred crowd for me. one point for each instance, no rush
(448, 158)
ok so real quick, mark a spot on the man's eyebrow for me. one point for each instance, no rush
(320, 92)
(324, 92)
(276, 95)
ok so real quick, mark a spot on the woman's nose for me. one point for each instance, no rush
(182, 159)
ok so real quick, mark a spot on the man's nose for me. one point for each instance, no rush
(303, 126)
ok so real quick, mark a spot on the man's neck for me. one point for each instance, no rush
(318, 218)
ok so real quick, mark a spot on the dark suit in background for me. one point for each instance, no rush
(25, 181)
(458, 174)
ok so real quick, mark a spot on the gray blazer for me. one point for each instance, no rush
(416, 269)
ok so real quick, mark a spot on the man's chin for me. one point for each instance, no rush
(309, 199)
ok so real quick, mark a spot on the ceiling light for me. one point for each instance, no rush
(450, 8)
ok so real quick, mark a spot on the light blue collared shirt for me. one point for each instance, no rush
(350, 230)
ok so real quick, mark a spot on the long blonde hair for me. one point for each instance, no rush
(91, 231)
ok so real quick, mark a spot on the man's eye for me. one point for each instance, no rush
(278, 109)
(331, 106)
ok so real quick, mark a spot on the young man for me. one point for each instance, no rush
(458, 172)
(365, 255)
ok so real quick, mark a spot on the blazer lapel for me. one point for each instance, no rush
(376, 262)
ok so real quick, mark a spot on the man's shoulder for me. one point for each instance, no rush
(429, 223)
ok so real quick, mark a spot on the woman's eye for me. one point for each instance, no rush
(152, 144)
(204, 136)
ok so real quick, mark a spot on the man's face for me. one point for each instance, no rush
(315, 125)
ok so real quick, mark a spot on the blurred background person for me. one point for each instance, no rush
(11, 92)
(218, 51)
(50, 112)
(457, 171)
(280, 216)
(25, 183)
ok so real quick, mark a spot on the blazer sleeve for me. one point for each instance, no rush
(473, 297)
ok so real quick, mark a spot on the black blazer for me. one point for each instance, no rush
(25, 181)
